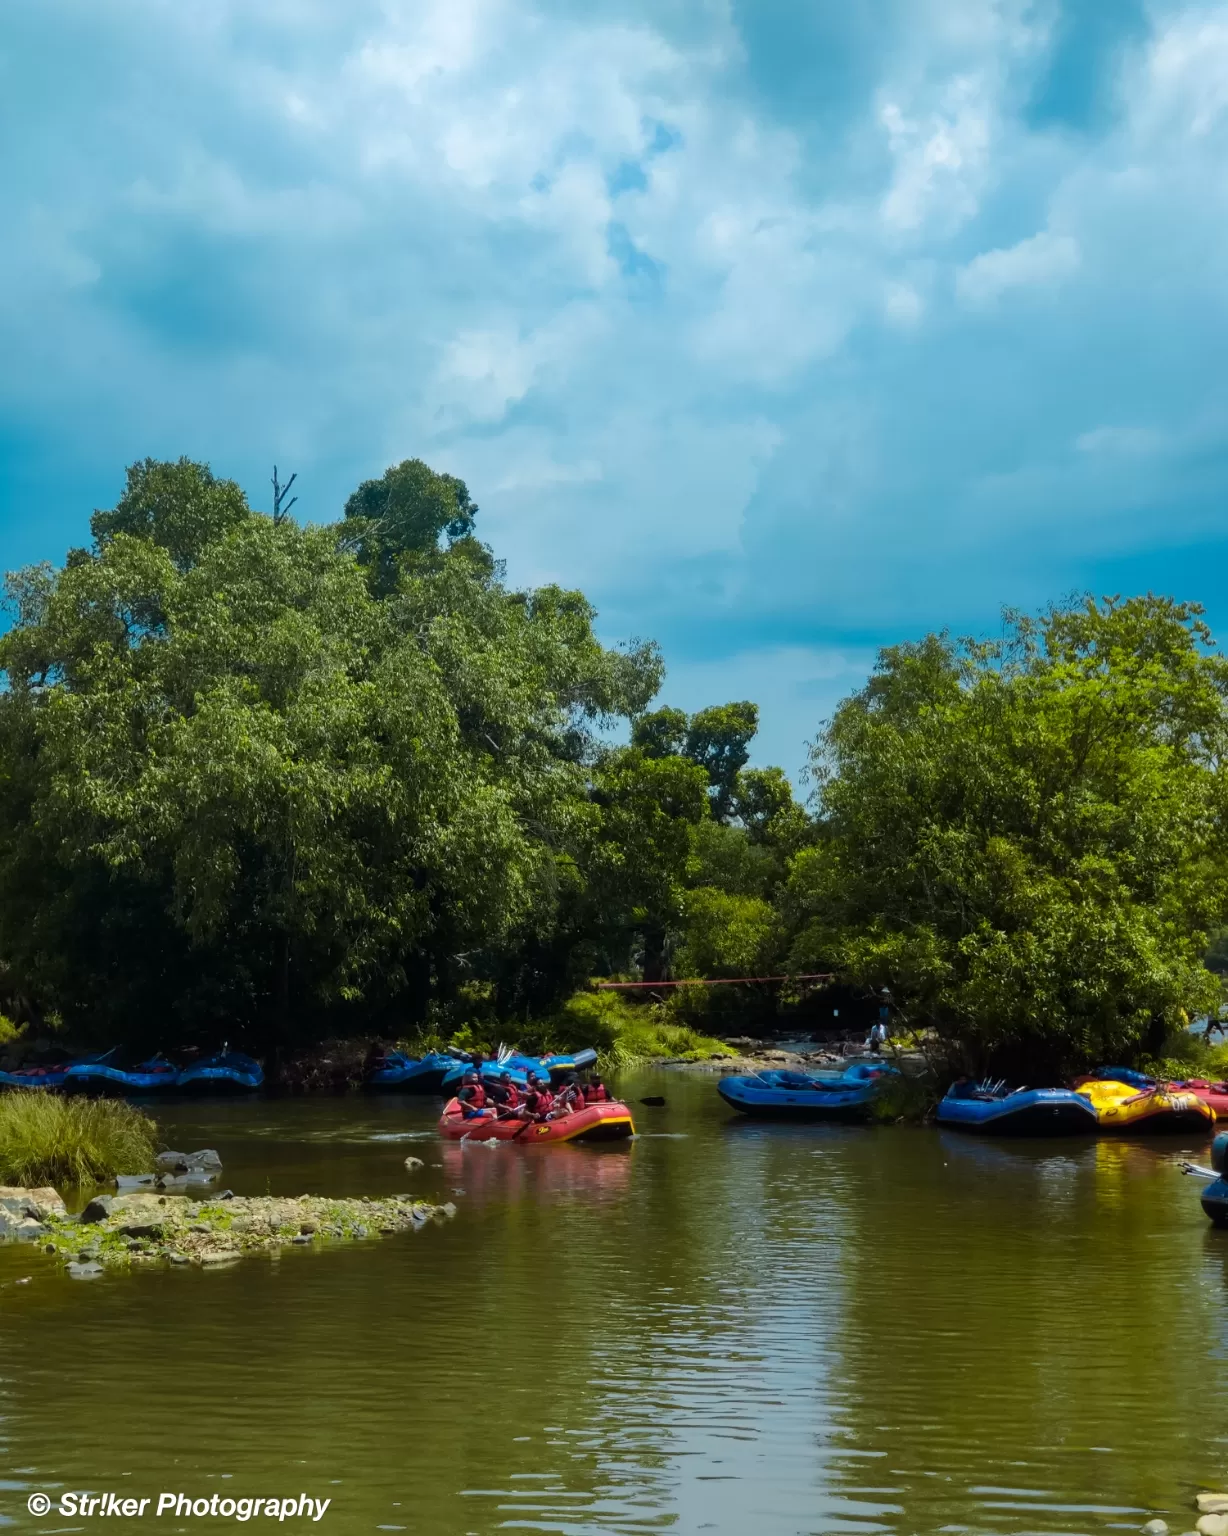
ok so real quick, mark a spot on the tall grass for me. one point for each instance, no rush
(45, 1139)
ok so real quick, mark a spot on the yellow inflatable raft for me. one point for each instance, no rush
(1131, 1111)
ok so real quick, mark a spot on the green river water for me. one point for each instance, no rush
(724, 1326)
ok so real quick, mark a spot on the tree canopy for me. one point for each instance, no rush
(266, 781)
(1024, 839)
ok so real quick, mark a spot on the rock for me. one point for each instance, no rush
(180, 1183)
(227, 1194)
(449, 1209)
(306, 1228)
(148, 1229)
(215, 1256)
(1212, 1525)
(39, 1203)
(1156, 1528)
(414, 1162)
(301, 1237)
(27, 1229)
(98, 1209)
(88, 1271)
(205, 1161)
(179, 1258)
(129, 1182)
(1213, 1503)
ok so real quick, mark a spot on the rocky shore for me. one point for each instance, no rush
(146, 1227)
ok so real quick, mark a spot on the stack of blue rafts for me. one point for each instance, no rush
(438, 1073)
(101, 1076)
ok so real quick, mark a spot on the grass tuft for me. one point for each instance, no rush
(45, 1139)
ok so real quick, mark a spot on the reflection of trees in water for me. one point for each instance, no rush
(1028, 1316)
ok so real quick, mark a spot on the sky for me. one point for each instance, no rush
(785, 329)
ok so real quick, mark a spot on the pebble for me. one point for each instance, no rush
(220, 1256)
(414, 1162)
(88, 1271)
(1213, 1503)
(1212, 1525)
(1156, 1528)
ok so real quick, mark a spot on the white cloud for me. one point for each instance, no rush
(1037, 262)
(695, 348)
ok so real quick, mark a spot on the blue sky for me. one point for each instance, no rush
(783, 328)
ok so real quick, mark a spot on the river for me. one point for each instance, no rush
(724, 1326)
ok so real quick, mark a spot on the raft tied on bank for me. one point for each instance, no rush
(1156, 1109)
(994, 1108)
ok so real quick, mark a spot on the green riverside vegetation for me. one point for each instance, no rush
(273, 783)
(46, 1139)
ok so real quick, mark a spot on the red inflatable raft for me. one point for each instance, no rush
(1214, 1094)
(596, 1122)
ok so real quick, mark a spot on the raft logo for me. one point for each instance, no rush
(179, 1505)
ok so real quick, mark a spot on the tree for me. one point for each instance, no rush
(179, 506)
(246, 791)
(406, 511)
(661, 733)
(718, 739)
(1024, 839)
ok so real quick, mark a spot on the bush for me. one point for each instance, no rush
(627, 1034)
(48, 1140)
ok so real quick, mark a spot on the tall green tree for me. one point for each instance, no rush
(244, 787)
(405, 512)
(1025, 839)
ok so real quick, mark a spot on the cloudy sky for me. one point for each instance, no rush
(783, 328)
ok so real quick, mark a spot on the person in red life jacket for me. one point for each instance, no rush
(571, 1096)
(507, 1097)
(472, 1097)
(539, 1101)
(596, 1092)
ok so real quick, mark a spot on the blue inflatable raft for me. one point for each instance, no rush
(102, 1079)
(48, 1077)
(223, 1072)
(1023, 1112)
(803, 1096)
(1215, 1195)
(410, 1074)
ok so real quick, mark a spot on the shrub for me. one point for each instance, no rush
(627, 1034)
(49, 1140)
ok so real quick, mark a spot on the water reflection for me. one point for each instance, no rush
(728, 1327)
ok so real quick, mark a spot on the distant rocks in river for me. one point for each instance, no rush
(145, 1227)
(204, 1161)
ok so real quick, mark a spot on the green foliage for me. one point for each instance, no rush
(180, 507)
(1025, 839)
(46, 1139)
(405, 511)
(718, 739)
(905, 1097)
(248, 791)
(627, 1034)
(728, 935)
(661, 733)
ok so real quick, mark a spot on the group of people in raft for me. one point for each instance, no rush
(504, 1100)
